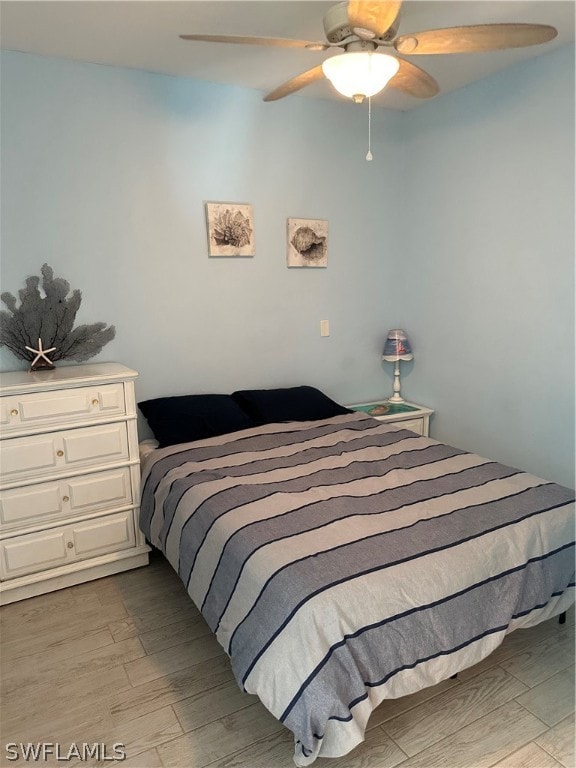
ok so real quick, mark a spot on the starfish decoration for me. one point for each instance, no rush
(41, 360)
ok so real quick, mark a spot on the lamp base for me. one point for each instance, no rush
(396, 399)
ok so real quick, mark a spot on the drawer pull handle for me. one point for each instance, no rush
(95, 401)
(65, 498)
(70, 545)
(14, 412)
(59, 453)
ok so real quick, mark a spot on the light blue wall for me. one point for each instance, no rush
(462, 223)
(104, 176)
(487, 267)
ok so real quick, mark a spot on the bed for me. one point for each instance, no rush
(341, 561)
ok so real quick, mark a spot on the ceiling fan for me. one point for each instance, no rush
(361, 27)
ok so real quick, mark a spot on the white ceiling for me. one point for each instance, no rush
(144, 35)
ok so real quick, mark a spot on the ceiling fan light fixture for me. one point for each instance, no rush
(360, 73)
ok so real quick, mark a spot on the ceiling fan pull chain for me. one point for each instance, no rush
(369, 153)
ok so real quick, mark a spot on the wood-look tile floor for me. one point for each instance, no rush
(128, 659)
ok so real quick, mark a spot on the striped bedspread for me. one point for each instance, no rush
(345, 561)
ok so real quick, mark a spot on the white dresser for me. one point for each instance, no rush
(69, 478)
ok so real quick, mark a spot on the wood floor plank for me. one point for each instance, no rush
(145, 732)
(144, 587)
(76, 614)
(134, 758)
(59, 637)
(148, 759)
(35, 699)
(489, 662)
(377, 751)
(142, 601)
(93, 661)
(123, 629)
(223, 737)
(273, 752)
(559, 741)
(39, 702)
(53, 653)
(106, 589)
(168, 636)
(92, 723)
(484, 742)
(140, 579)
(390, 708)
(522, 640)
(212, 704)
(83, 691)
(145, 581)
(530, 756)
(552, 700)
(88, 723)
(137, 623)
(51, 607)
(179, 657)
(539, 662)
(133, 702)
(452, 710)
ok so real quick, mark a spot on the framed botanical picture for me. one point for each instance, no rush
(230, 229)
(307, 243)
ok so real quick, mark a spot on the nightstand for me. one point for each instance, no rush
(407, 415)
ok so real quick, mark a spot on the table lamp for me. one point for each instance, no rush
(396, 348)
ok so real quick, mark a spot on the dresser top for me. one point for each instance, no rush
(62, 377)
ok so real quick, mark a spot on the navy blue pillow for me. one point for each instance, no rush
(303, 403)
(185, 418)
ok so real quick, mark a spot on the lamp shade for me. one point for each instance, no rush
(397, 346)
(360, 73)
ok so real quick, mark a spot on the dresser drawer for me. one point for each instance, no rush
(66, 498)
(41, 409)
(60, 453)
(71, 543)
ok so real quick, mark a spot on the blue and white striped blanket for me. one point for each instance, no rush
(345, 561)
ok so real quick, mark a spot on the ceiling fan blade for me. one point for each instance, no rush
(414, 81)
(476, 38)
(372, 18)
(271, 42)
(298, 82)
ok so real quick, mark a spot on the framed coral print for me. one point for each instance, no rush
(230, 229)
(307, 243)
